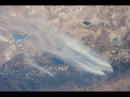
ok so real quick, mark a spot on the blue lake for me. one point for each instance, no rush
(86, 23)
(18, 36)
(57, 61)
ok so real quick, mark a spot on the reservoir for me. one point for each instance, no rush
(18, 36)
(57, 61)
(115, 40)
(86, 23)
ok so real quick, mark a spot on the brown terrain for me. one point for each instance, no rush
(107, 22)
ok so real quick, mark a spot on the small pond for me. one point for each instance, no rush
(86, 23)
(5, 78)
(115, 40)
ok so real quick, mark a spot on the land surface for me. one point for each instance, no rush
(107, 22)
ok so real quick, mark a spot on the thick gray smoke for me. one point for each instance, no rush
(69, 49)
